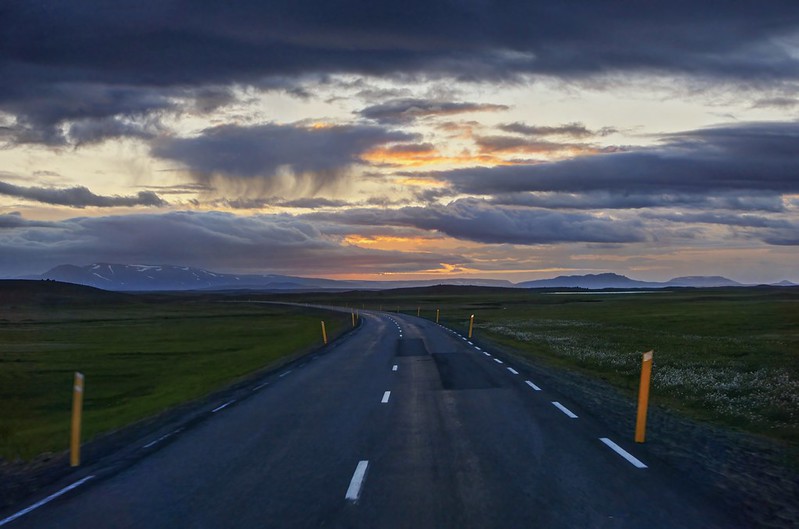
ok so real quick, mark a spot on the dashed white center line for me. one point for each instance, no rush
(477, 348)
(532, 385)
(386, 396)
(153, 443)
(497, 360)
(486, 353)
(470, 343)
(513, 371)
(48, 499)
(395, 367)
(259, 386)
(564, 409)
(354, 490)
(223, 406)
(284, 374)
(623, 453)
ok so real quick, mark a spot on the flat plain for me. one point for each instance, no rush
(140, 354)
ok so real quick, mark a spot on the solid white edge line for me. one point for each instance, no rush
(564, 409)
(223, 406)
(513, 371)
(623, 453)
(386, 396)
(532, 385)
(48, 499)
(497, 360)
(394, 368)
(354, 490)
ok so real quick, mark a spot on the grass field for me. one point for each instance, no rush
(140, 355)
(728, 356)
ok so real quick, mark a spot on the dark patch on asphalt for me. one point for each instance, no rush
(411, 347)
(461, 371)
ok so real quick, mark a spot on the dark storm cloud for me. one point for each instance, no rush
(601, 200)
(744, 221)
(88, 59)
(574, 130)
(409, 110)
(98, 130)
(79, 197)
(15, 220)
(65, 113)
(314, 157)
(774, 231)
(219, 241)
(758, 157)
(480, 221)
(144, 40)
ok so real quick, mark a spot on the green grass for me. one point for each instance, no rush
(140, 356)
(727, 356)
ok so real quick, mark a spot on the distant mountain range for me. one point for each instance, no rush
(124, 277)
(600, 281)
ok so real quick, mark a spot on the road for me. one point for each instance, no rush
(403, 424)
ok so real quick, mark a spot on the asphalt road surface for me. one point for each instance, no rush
(403, 424)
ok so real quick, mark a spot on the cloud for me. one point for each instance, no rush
(80, 61)
(274, 157)
(754, 157)
(517, 145)
(80, 197)
(313, 203)
(214, 240)
(480, 221)
(602, 200)
(574, 130)
(81, 40)
(781, 102)
(745, 221)
(65, 113)
(397, 111)
(15, 220)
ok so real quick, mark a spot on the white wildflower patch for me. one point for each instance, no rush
(733, 392)
(764, 395)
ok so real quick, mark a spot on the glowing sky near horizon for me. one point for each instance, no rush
(431, 140)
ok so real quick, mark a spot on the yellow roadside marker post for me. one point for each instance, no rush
(643, 397)
(471, 325)
(353, 319)
(324, 333)
(77, 412)
(438, 311)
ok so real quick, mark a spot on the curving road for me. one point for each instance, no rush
(401, 424)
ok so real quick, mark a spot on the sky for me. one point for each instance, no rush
(512, 140)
